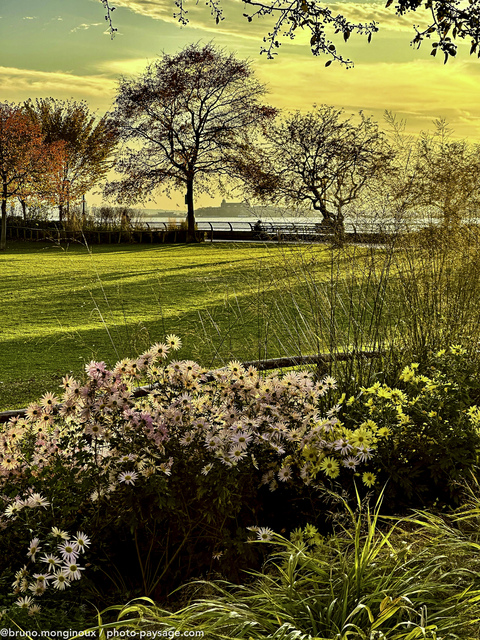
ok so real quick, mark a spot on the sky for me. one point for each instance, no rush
(61, 48)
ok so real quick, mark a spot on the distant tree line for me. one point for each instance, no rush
(196, 122)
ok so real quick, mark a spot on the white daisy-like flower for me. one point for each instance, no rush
(24, 603)
(276, 447)
(13, 509)
(82, 541)
(37, 588)
(51, 560)
(236, 454)
(58, 533)
(61, 582)
(187, 439)
(285, 473)
(33, 548)
(351, 463)
(159, 350)
(166, 467)
(364, 453)
(242, 439)
(264, 534)
(128, 477)
(36, 500)
(34, 609)
(72, 571)
(268, 476)
(207, 468)
(173, 342)
(343, 446)
(69, 551)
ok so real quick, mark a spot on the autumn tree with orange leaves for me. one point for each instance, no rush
(88, 144)
(26, 162)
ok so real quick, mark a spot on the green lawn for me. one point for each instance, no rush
(62, 307)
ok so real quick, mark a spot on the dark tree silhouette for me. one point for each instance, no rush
(319, 159)
(88, 146)
(182, 123)
(444, 21)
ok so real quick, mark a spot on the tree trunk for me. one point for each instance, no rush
(3, 235)
(339, 228)
(60, 212)
(191, 236)
(24, 209)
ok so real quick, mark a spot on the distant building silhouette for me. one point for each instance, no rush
(226, 209)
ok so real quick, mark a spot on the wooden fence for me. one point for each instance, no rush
(322, 360)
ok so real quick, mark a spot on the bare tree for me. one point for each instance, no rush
(435, 175)
(320, 159)
(182, 122)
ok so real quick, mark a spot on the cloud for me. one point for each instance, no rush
(84, 26)
(364, 12)
(30, 18)
(21, 84)
(235, 22)
(126, 66)
(200, 18)
(418, 91)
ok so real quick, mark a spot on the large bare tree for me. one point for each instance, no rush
(182, 122)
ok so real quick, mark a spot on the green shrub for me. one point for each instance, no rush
(430, 422)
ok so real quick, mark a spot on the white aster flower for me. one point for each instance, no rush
(36, 500)
(13, 509)
(57, 533)
(81, 541)
(128, 477)
(61, 582)
(72, 571)
(24, 603)
(265, 534)
(51, 560)
(33, 548)
(69, 551)
(285, 473)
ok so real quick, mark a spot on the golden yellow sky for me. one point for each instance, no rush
(60, 48)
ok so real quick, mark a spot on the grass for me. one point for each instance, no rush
(62, 307)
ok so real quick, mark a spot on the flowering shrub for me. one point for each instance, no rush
(58, 567)
(174, 477)
(430, 424)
